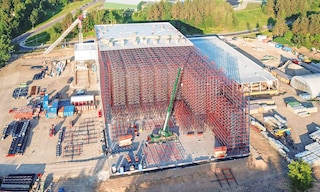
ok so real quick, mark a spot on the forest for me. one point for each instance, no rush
(295, 21)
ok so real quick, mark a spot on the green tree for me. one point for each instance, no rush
(288, 35)
(248, 26)
(280, 27)
(269, 10)
(67, 21)
(300, 174)
(5, 49)
(34, 17)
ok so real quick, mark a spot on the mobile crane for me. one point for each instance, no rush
(78, 22)
(165, 134)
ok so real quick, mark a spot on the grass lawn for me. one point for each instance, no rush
(283, 41)
(109, 5)
(38, 39)
(252, 15)
(66, 9)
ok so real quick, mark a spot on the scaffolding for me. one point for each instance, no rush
(136, 85)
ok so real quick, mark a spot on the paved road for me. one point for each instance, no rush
(244, 4)
(21, 39)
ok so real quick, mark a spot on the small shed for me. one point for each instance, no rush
(307, 83)
(82, 100)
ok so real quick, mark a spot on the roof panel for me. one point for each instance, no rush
(139, 35)
(236, 65)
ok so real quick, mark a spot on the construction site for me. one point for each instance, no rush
(144, 98)
(159, 90)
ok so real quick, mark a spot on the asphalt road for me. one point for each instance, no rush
(21, 39)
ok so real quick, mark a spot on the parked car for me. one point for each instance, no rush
(295, 61)
(70, 80)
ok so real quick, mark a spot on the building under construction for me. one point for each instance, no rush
(138, 67)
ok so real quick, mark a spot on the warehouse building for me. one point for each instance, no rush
(138, 67)
(307, 83)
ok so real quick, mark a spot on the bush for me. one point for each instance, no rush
(300, 174)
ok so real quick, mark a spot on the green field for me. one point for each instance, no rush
(108, 5)
(252, 15)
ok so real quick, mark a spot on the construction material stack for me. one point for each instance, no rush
(20, 133)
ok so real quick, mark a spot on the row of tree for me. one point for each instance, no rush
(196, 14)
(202, 14)
(295, 21)
(18, 16)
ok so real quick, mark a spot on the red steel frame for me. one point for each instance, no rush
(137, 83)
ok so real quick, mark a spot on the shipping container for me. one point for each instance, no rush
(287, 49)
(46, 98)
(52, 110)
(51, 115)
(65, 102)
(68, 111)
(55, 103)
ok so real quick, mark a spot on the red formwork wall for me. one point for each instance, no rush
(137, 84)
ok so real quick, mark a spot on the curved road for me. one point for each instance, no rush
(21, 38)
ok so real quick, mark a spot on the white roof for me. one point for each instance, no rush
(236, 65)
(82, 98)
(85, 47)
(307, 83)
(139, 35)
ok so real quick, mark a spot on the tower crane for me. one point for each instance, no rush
(78, 22)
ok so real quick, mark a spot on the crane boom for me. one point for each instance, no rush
(64, 34)
(173, 94)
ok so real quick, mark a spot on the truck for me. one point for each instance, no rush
(125, 140)
(282, 132)
(165, 134)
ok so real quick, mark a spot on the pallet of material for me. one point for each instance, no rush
(312, 109)
(25, 112)
(303, 114)
(281, 76)
(34, 90)
(315, 135)
(262, 101)
(254, 109)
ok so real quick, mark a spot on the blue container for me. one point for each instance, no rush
(51, 115)
(52, 110)
(55, 103)
(68, 111)
(45, 107)
(278, 45)
(64, 103)
(46, 98)
(288, 49)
